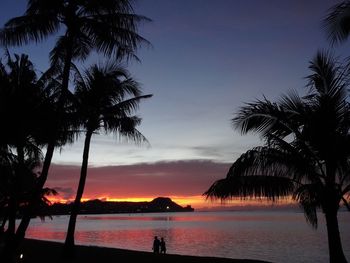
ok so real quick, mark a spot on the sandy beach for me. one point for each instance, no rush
(37, 251)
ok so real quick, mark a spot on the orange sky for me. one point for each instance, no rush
(183, 181)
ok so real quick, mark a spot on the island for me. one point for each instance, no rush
(96, 206)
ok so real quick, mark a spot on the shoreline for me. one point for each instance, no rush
(40, 251)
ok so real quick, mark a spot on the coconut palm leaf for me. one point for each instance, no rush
(337, 23)
(309, 196)
(249, 187)
(28, 28)
(126, 106)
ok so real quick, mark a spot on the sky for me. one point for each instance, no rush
(207, 59)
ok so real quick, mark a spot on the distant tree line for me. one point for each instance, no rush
(159, 204)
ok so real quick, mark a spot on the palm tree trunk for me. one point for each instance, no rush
(8, 249)
(10, 242)
(11, 218)
(13, 200)
(68, 250)
(336, 254)
(22, 228)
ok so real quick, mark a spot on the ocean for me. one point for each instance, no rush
(276, 236)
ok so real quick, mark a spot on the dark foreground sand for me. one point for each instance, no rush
(35, 251)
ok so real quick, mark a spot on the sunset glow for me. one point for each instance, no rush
(175, 131)
(182, 181)
(194, 201)
(198, 202)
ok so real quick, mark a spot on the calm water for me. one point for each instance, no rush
(272, 236)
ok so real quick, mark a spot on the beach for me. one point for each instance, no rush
(37, 251)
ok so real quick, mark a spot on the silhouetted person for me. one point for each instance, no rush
(156, 244)
(162, 246)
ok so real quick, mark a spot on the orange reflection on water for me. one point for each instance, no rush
(270, 236)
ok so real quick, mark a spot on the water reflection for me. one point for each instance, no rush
(131, 217)
(202, 217)
(269, 236)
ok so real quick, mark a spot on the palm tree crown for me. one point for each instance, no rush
(106, 96)
(108, 26)
(20, 101)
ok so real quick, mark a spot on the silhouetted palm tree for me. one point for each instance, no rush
(19, 99)
(18, 110)
(337, 22)
(106, 99)
(306, 153)
(44, 129)
(22, 97)
(108, 27)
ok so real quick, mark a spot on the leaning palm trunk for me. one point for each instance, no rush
(8, 249)
(11, 240)
(12, 218)
(13, 203)
(22, 228)
(69, 250)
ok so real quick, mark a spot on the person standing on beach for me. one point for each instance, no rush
(162, 246)
(156, 244)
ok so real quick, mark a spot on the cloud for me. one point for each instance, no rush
(175, 178)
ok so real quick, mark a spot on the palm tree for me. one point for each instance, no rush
(19, 97)
(109, 27)
(45, 127)
(106, 98)
(18, 110)
(22, 97)
(306, 153)
(337, 22)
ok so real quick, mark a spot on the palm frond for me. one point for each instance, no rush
(346, 190)
(125, 107)
(132, 135)
(328, 75)
(114, 37)
(337, 23)
(22, 30)
(251, 187)
(309, 196)
(96, 7)
(256, 117)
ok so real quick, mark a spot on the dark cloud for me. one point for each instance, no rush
(178, 178)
